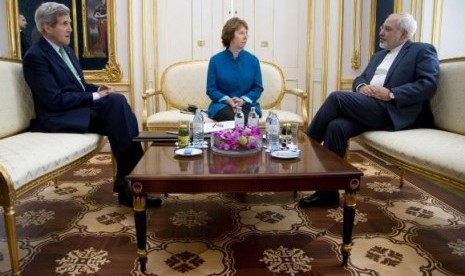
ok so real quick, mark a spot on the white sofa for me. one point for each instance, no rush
(436, 153)
(184, 83)
(29, 159)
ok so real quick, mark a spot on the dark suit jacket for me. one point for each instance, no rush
(61, 104)
(412, 77)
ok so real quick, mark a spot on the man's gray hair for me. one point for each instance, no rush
(48, 13)
(407, 23)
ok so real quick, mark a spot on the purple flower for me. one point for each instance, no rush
(246, 138)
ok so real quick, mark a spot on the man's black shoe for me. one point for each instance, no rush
(120, 184)
(126, 200)
(320, 198)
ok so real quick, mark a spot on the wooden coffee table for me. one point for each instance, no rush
(160, 171)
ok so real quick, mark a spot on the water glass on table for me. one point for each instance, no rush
(183, 134)
(290, 135)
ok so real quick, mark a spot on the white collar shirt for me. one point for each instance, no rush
(381, 71)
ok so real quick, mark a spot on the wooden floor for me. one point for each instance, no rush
(79, 229)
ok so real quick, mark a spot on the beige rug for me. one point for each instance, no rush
(78, 229)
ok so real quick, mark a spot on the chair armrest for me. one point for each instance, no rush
(297, 92)
(303, 97)
(150, 93)
(146, 97)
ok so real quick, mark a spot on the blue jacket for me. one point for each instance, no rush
(61, 104)
(229, 77)
(412, 77)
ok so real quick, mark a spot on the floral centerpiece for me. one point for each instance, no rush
(237, 140)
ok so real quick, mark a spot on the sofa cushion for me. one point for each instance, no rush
(273, 84)
(434, 150)
(448, 104)
(191, 89)
(49, 151)
(16, 105)
(170, 118)
(283, 116)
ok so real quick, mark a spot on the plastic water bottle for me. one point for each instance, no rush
(252, 119)
(239, 118)
(273, 133)
(197, 125)
(267, 126)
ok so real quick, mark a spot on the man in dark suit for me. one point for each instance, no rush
(65, 102)
(389, 95)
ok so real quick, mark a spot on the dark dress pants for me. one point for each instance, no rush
(112, 116)
(227, 113)
(344, 115)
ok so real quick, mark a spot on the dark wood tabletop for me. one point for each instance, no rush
(162, 171)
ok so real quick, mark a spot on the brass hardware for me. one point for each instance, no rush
(264, 43)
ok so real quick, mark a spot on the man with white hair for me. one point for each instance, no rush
(65, 102)
(392, 93)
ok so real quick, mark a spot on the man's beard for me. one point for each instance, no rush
(382, 45)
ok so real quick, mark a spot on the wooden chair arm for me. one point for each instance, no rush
(297, 92)
(303, 97)
(150, 93)
(146, 97)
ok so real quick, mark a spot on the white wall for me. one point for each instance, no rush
(451, 38)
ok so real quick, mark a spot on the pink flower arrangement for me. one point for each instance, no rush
(236, 139)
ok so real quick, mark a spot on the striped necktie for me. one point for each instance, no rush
(66, 59)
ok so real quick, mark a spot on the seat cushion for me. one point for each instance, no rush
(434, 150)
(29, 155)
(284, 117)
(170, 119)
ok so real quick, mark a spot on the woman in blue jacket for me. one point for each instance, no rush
(234, 78)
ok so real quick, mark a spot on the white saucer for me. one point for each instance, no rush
(205, 145)
(285, 154)
(188, 151)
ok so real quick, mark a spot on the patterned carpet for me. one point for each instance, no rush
(78, 229)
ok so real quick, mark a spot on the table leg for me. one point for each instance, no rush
(347, 225)
(140, 220)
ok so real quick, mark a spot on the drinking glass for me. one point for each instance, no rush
(292, 134)
(183, 133)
